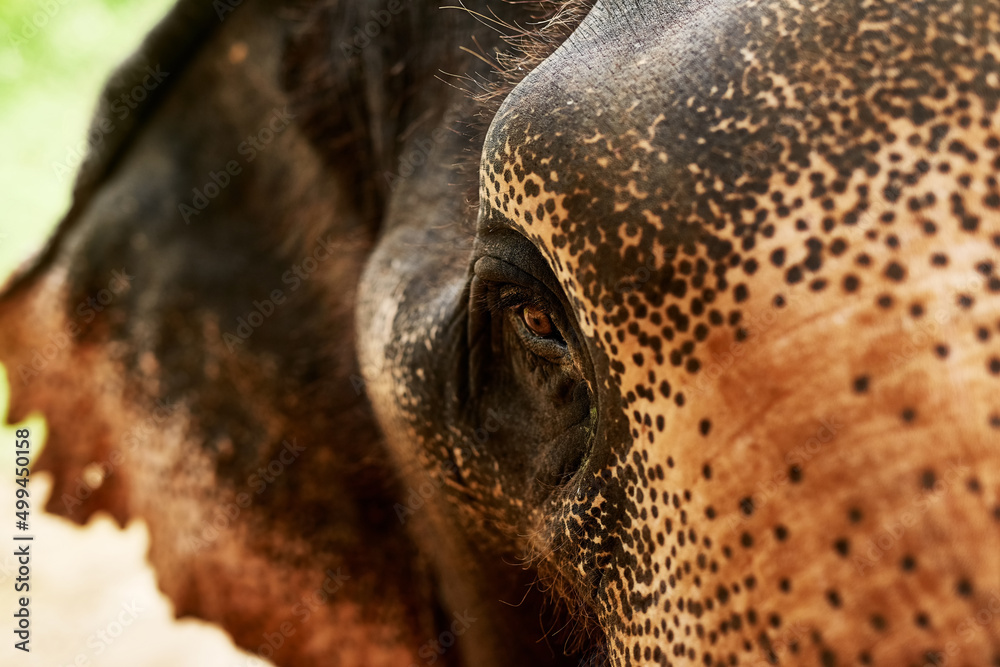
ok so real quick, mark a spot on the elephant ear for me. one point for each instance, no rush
(50, 345)
(188, 335)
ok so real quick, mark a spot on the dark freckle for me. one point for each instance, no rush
(922, 620)
(746, 506)
(941, 350)
(995, 421)
(781, 533)
(895, 271)
(878, 622)
(710, 512)
(679, 399)
(842, 546)
(854, 515)
(939, 259)
(964, 588)
(916, 310)
(741, 335)
(778, 257)
(740, 294)
(965, 301)
(973, 485)
(863, 259)
(785, 585)
(793, 275)
(884, 301)
(927, 479)
(908, 415)
(779, 301)
(994, 366)
(930, 228)
(706, 471)
(704, 426)
(833, 597)
(817, 285)
(861, 384)
(838, 247)
(795, 474)
(851, 283)
(746, 540)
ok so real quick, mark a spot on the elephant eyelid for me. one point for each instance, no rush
(509, 301)
(507, 290)
(511, 298)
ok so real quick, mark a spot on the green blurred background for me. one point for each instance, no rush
(55, 56)
(50, 77)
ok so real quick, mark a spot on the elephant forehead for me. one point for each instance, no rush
(703, 160)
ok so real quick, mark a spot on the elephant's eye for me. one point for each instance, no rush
(524, 305)
(538, 321)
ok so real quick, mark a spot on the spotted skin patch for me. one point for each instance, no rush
(814, 226)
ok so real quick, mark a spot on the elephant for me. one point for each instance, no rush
(543, 333)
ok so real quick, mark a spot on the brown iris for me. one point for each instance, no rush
(538, 321)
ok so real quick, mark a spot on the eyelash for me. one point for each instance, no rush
(510, 299)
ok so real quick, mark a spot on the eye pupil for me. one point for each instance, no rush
(538, 321)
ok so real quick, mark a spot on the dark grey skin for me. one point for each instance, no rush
(677, 345)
